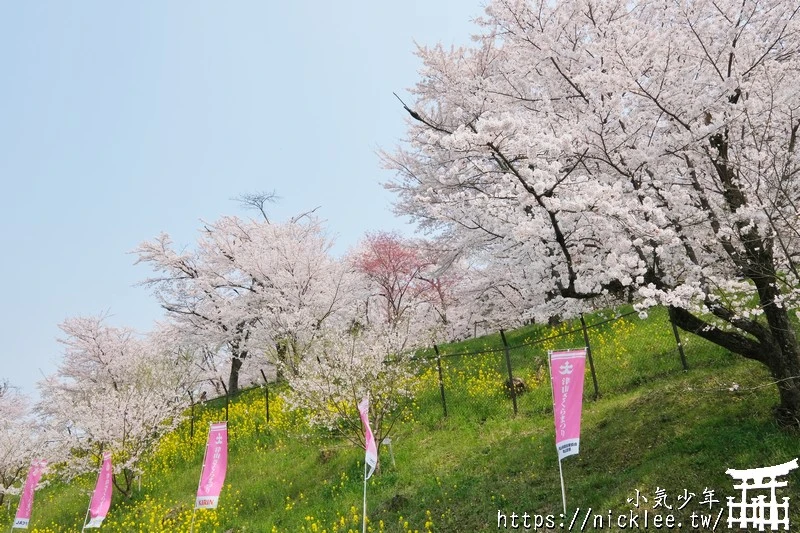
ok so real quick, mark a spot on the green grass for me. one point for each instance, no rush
(654, 426)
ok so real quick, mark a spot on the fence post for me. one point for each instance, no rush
(510, 375)
(191, 420)
(680, 345)
(227, 398)
(589, 355)
(266, 393)
(441, 380)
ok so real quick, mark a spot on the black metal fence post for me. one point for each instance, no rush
(266, 393)
(680, 345)
(589, 355)
(511, 385)
(191, 416)
(227, 399)
(441, 379)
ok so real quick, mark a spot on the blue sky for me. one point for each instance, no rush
(122, 120)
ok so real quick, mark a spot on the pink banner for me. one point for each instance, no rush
(101, 498)
(26, 500)
(372, 450)
(215, 465)
(566, 377)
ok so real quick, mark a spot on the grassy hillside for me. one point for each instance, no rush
(654, 428)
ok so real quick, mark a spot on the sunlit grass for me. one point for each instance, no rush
(653, 426)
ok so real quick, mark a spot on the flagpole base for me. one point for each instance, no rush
(563, 490)
(364, 520)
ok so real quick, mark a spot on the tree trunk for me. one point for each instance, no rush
(282, 353)
(775, 346)
(786, 371)
(233, 378)
(124, 482)
(238, 347)
(784, 358)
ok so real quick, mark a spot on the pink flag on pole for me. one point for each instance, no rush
(372, 450)
(26, 500)
(566, 377)
(215, 464)
(101, 497)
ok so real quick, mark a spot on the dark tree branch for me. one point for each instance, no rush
(258, 201)
(735, 342)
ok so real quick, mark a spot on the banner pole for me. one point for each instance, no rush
(364, 521)
(85, 518)
(563, 491)
(191, 528)
(553, 393)
(202, 469)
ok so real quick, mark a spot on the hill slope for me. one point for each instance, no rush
(655, 429)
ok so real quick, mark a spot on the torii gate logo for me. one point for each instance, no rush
(758, 512)
(566, 368)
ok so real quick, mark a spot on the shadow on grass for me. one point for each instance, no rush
(678, 438)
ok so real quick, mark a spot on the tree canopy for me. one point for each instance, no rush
(644, 149)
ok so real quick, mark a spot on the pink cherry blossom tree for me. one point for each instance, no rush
(642, 149)
(113, 391)
(392, 266)
(407, 282)
(345, 366)
(19, 439)
(198, 293)
(404, 294)
(252, 287)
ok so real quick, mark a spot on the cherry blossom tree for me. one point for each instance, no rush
(252, 287)
(296, 286)
(196, 291)
(393, 266)
(408, 283)
(439, 278)
(640, 148)
(112, 392)
(404, 295)
(489, 295)
(18, 439)
(202, 367)
(344, 367)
